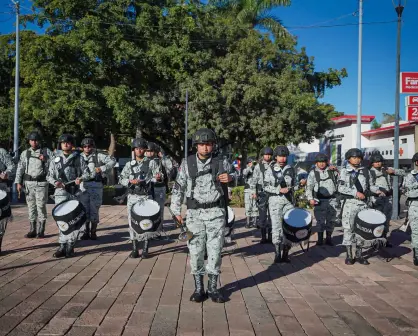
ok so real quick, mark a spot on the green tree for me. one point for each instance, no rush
(375, 124)
(388, 118)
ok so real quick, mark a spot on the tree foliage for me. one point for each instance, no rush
(116, 67)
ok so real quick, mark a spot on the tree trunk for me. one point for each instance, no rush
(139, 132)
(111, 151)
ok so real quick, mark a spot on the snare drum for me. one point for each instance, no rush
(145, 216)
(231, 221)
(297, 225)
(5, 209)
(369, 224)
(69, 216)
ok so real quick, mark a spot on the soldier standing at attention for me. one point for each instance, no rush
(321, 190)
(251, 210)
(203, 178)
(92, 196)
(31, 172)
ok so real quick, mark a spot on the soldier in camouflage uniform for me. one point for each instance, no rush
(31, 172)
(321, 190)
(7, 170)
(137, 175)
(256, 185)
(353, 185)
(66, 174)
(381, 188)
(280, 181)
(251, 210)
(92, 196)
(203, 179)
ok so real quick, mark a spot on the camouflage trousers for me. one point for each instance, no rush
(278, 206)
(326, 214)
(36, 199)
(92, 198)
(384, 204)
(60, 196)
(3, 226)
(413, 220)
(251, 209)
(132, 200)
(207, 226)
(351, 208)
(159, 197)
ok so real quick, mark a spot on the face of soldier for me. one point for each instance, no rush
(204, 149)
(281, 160)
(87, 149)
(355, 161)
(377, 164)
(267, 157)
(321, 165)
(66, 146)
(34, 143)
(139, 152)
(149, 154)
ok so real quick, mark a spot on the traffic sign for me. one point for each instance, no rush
(409, 82)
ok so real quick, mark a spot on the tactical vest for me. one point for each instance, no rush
(41, 177)
(331, 176)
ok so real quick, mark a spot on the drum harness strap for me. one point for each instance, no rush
(41, 177)
(142, 188)
(216, 168)
(280, 180)
(331, 176)
(354, 181)
(71, 188)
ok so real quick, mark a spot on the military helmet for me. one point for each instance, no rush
(88, 141)
(66, 138)
(251, 159)
(353, 152)
(415, 157)
(377, 157)
(321, 157)
(34, 136)
(267, 151)
(204, 135)
(139, 143)
(153, 147)
(281, 151)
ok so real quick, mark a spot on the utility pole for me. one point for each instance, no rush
(360, 73)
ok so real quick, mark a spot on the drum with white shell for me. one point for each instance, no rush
(297, 225)
(145, 216)
(69, 216)
(5, 209)
(369, 224)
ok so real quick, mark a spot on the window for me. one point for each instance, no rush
(390, 152)
(387, 152)
(404, 141)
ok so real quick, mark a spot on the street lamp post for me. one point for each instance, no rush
(360, 64)
(399, 7)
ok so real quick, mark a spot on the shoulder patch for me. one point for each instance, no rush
(133, 162)
(57, 159)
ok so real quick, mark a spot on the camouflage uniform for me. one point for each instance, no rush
(32, 172)
(71, 172)
(351, 205)
(326, 212)
(251, 210)
(159, 188)
(6, 166)
(207, 225)
(92, 195)
(256, 185)
(124, 179)
(411, 186)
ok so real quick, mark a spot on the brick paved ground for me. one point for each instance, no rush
(103, 292)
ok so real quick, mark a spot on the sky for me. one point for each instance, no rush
(337, 46)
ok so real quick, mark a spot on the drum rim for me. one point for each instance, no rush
(310, 216)
(54, 209)
(142, 203)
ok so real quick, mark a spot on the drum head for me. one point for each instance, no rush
(147, 208)
(298, 217)
(65, 207)
(145, 216)
(3, 195)
(372, 216)
(231, 215)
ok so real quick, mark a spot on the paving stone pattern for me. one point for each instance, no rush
(103, 292)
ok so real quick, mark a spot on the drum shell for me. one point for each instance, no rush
(230, 222)
(293, 233)
(75, 219)
(137, 218)
(5, 209)
(368, 231)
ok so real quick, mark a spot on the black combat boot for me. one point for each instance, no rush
(248, 224)
(285, 256)
(199, 294)
(254, 224)
(328, 239)
(41, 229)
(86, 234)
(145, 254)
(263, 236)
(349, 260)
(61, 251)
(320, 241)
(32, 230)
(277, 253)
(385, 235)
(1, 240)
(359, 257)
(213, 291)
(269, 236)
(415, 258)
(93, 235)
(69, 251)
(134, 253)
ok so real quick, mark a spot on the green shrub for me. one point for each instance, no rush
(238, 197)
(300, 198)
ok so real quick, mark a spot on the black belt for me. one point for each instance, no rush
(40, 178)
(159, 184)
(325, 197)
(193, 204)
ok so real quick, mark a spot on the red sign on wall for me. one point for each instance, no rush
(412, 113)
(409, 82)
(412, 100)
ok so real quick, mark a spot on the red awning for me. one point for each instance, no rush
(389, 129)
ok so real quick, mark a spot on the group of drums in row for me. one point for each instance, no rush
(359, 198)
